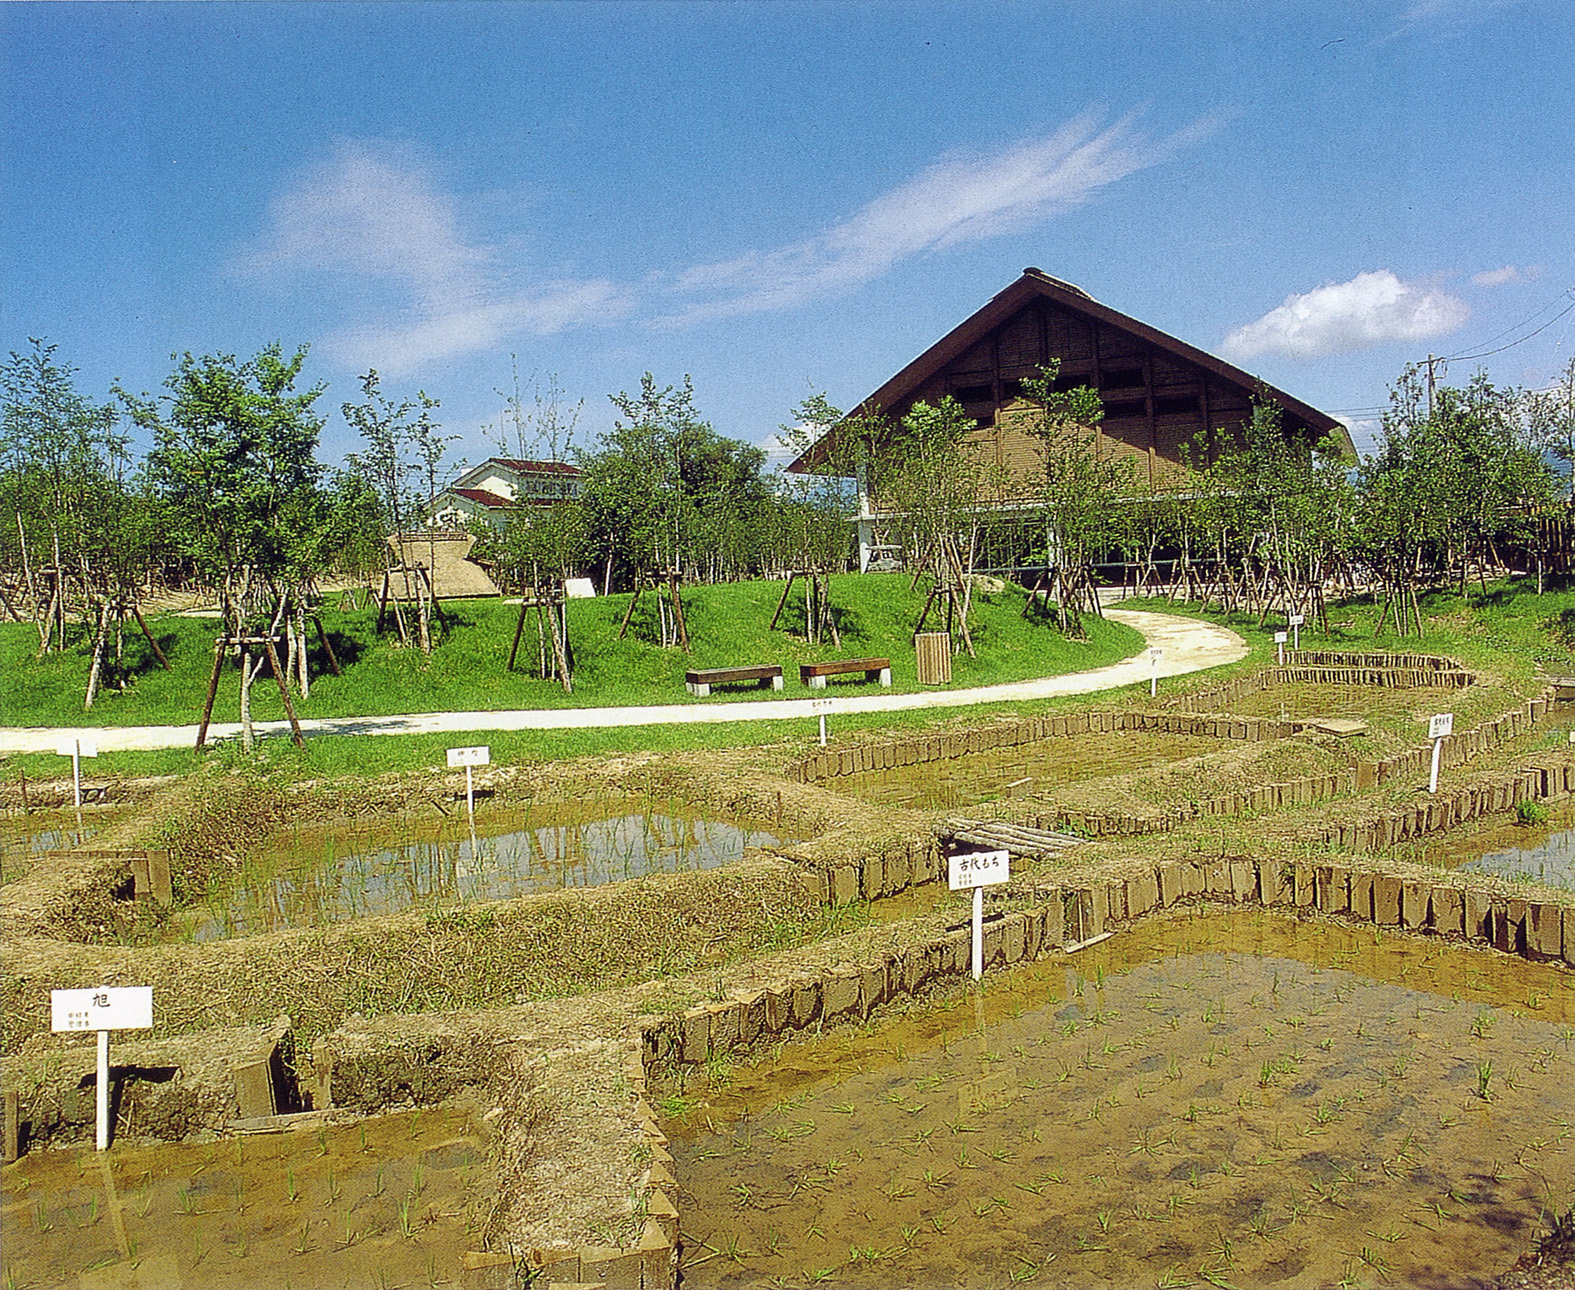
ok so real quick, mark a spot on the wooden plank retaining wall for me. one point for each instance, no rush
(1542, 931)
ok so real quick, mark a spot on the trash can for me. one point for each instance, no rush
(933, 654)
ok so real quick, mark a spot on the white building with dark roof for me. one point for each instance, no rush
(497, 487)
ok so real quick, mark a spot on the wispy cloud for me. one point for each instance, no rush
(959, 199)
(1444, 17)
(1373, 308)
(369, 218)
(1509, 273)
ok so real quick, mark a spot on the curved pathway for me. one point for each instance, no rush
(1189, 645)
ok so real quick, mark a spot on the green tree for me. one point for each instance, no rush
(402, 463)
(1082, 493)
(1456, 474)
(666, 492)
(233, 461)
(79, 538)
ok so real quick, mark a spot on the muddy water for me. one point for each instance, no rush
(22, 837)
(1304, 699)
(392, 1202)
(982, 777)
(318, 877)
(1543, 852)
(1232, 1100)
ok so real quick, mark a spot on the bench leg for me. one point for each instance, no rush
(817, 683)
(699, 689)
(885, 676)
(776, 682)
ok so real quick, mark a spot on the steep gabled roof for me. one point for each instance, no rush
(482, 497)
(535, 467)
(1036, 284)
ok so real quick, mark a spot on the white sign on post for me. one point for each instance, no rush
(1154, 655)
(1279, 646)
(1296, 621)
(978, 869)
(76, 749)
(105, 1008)
(1439, 727)
(480, 755)
(822, 707)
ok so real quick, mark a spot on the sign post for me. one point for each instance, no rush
(1439, 728)
(1154, 655)
(821, 706)
(1296, 621)
(480, 755)
(77, 749)
(106, 1008)
(978, 869)
(1279, 646)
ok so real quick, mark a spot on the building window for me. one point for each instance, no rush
(1126, 408)
(1126, 378)
(1178, 406)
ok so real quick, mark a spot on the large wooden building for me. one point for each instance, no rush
(1159, 393)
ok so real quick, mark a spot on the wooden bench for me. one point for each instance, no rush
(702, 679)
(814, 674)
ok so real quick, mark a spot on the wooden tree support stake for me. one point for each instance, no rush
(284, 692)
(328, 649)
(157, 652)
(219, 646)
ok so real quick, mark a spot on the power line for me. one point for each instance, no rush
(1465, 357)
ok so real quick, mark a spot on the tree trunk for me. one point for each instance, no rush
(99, 637)
(300, 638)
(247, 742)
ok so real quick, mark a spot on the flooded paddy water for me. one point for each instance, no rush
(23, 837)
(1226, 1099)
(1542, 852)
(319, 876)
(981, 777)
(1306, 699)
(391, 1201)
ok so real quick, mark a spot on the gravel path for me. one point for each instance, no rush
(1188, 644)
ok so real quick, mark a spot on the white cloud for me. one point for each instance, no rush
(369, 215)
(1446, 17)
(957, 200)
(1509, 273)
(1373, 308)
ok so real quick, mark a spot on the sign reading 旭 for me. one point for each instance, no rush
(978, 869)
(127, 1007)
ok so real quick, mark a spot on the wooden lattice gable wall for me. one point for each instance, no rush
(1159, 393)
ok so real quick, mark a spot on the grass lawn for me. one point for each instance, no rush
(727, 625)
(1507, 630)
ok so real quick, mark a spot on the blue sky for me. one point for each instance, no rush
(780, 198)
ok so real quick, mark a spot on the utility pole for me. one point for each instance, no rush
(1430, 361)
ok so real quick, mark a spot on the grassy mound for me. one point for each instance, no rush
(466, 672)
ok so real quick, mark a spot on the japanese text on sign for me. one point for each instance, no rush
(128, 1007)
(481, 755)
(978, 869)
(1441, 726)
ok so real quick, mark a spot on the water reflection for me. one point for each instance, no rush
(335, 877)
